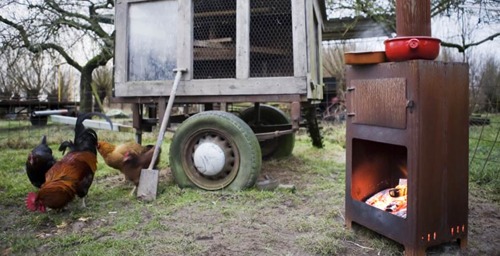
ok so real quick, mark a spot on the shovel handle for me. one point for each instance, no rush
(164, 123)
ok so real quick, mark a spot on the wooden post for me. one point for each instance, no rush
(162, 107)
(413, 17)
(136, 121)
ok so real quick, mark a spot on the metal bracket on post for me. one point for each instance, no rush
(410, 104)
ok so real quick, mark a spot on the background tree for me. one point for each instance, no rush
(333, 63)
(25, 74)
(31, 74)
(7, 88)
(62, 27)
(102, 84)
(489, 83)
(60, 89)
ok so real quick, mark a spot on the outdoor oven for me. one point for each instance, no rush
(407, 151)
(409, 121)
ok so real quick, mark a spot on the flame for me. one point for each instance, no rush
(393, 200)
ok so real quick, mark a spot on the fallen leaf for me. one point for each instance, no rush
(62, 225)
(43, 235)
(84, 219)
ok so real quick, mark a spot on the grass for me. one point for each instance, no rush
(308, 221)
(484, 154)
(121, 225)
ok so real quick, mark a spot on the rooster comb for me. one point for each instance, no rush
(30, 201)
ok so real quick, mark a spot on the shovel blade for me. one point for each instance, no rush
(148, 185)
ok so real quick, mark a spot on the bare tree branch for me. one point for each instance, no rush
(55, 26)
(37, 48)
(462, 48)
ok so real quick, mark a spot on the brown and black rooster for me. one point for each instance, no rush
(73, 174)
(39, 161)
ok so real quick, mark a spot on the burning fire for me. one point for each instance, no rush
(393, 200)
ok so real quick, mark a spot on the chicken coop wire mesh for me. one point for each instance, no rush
(214, 33)
(271, 40)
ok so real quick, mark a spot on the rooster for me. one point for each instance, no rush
(39, 161)
(129, 158)
(73, 174)
(134, 163)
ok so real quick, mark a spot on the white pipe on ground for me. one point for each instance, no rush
(50, 112)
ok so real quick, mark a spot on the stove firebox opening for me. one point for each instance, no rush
(379, 176)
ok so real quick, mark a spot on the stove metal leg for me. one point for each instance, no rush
(414, 251)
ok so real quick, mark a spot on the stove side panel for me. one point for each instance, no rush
(443, 152)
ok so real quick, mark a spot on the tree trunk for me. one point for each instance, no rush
(86, 78)
(86, 90)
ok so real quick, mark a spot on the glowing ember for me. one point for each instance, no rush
(391, 200)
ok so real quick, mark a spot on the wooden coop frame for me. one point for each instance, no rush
(243, 51)
(305, 82)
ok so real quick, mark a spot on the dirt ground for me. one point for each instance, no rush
(483, 236)
(273, 230)
(484, 224)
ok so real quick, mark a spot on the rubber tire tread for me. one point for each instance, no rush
(243, 136)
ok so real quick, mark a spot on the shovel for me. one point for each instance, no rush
(148, 181)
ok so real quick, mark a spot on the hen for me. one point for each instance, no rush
(39, 161)
(73, 174)
(113, 154)
(129, 158)
(133, 164)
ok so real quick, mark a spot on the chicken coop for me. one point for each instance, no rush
(235, 52)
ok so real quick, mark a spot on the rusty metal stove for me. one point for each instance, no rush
(409, 120)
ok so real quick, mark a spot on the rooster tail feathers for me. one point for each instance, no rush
(86, 138)
(79, 127)
(66, 144)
